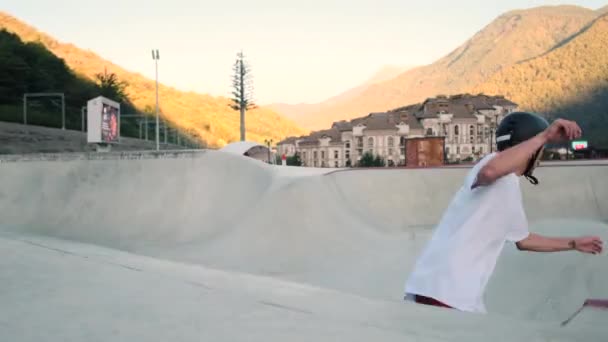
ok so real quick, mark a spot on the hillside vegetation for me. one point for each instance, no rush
(569, 81)
(31, 68)
(206, 117)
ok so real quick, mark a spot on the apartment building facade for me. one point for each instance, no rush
(466, 122)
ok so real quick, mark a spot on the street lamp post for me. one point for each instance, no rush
(268, 143)
(156, 57)
(83, 110)
(493, 125)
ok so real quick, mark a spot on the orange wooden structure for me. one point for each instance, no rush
(425, 151)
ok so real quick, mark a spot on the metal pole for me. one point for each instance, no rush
(493, 136)
(25, 109)
(491, 130)
(165, 125)
(62, 112)
(157, 132)
(82, 116)
(146, 126)
(139, 121)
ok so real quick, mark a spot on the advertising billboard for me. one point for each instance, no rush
(579, 145)
(103, 121)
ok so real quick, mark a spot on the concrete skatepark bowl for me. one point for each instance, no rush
(211, 246)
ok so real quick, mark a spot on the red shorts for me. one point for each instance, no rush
(430, 301)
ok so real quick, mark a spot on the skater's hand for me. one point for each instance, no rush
(562, 130)
(589, 244)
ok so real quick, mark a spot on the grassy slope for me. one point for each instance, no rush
(208, 117)
(571, 80)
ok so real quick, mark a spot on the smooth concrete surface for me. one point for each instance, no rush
(195, 246)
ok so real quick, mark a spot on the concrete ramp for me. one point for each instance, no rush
(343, 235)
(130, 202)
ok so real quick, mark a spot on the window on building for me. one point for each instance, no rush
(347, 154)
(471, 139)
(457, 149)
(429, 131)
(473, 148)
(347, 143)
(336, 163)
(323, 155)
(359, 141)
(456, 130)
(335, 154)
(390, 151)
(402, 141)
(391, 141)
(370, 142)
(447, 150)
(472, 130)
(314, 154)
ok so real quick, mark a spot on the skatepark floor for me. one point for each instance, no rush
(198, 246)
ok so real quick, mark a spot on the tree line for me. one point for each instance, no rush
(32, 68)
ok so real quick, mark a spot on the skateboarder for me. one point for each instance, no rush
(454, 268)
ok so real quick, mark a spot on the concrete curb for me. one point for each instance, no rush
(118, 155)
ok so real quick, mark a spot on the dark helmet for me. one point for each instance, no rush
(516, 128)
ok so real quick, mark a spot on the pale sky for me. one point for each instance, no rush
(301, 51)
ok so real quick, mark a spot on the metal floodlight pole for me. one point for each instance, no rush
(82, 113)
(156, 57)
(63, 111)
(25, 109)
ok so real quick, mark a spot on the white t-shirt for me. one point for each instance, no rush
(459, 259)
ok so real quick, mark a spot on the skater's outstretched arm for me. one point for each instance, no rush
(539, 243)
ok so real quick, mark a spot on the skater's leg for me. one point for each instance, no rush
(431, 301)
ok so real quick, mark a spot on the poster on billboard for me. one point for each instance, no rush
(109, 123)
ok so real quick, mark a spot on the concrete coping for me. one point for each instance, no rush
(113, 155)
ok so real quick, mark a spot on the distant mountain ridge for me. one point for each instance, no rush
(569, 81)
(299, 111)
(511, 38)
(204, 116)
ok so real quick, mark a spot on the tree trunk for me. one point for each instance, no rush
(242, 123)
(243, 95)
